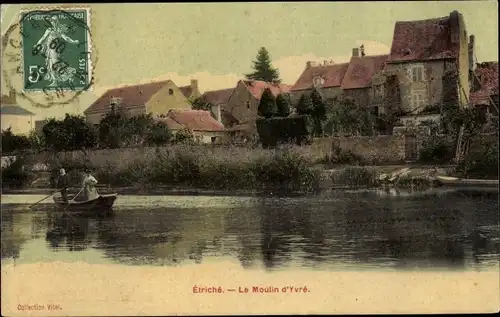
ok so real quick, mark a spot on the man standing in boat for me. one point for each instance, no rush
(62, 184)
(89, 183)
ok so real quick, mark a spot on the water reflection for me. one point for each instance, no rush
(347, 230)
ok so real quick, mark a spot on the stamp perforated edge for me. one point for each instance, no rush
(90, 71)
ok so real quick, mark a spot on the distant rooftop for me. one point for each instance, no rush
(15, 110)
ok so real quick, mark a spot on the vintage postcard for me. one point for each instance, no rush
(249, 158)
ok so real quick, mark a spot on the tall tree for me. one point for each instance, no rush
(71, 133)
(267, 105)
(319, 111)
(283, 106)
(263, 70)
(305, 105)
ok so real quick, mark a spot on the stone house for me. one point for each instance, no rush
(363, 80)
(484, 93)
(326, 77)
(430, 59)
(204, 127)
(20, 120)
(156, 98)
(244, 101)
(220, 99)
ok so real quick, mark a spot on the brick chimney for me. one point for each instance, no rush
(194, 84)
(355, 52)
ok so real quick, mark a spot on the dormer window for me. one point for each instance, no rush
(318, 81)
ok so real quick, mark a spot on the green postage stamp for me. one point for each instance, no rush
(56, 50)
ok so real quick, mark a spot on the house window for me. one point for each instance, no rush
(378, 90)
(248, 104)
(417, 74)
(318, 81)
(418, 100)
(170, 92)
(213, 139)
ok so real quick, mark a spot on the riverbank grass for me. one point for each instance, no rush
(286, 169)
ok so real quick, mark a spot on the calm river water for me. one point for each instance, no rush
(335, 231)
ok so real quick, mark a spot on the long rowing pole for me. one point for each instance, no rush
(46, 197)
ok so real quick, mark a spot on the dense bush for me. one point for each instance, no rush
(437, 150)
(283, 105)
(12, 142)
(482, 162)
(274, 131)
(17, 173)
(267, 105)
(195, 167)
(340, 156)
(356, 176)
(288, 172)
(71, 133)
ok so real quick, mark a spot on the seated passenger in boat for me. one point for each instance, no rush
(89, 182)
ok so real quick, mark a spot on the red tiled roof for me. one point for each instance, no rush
(487, 74)
(196, 120)
(333, 75)
(217, 97)
(423, 40)
(171, 124)
(136, 95)
(361, 70)
(257, 87)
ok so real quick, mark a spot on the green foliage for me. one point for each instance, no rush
(480, 163)
(349, 118)
(158, 134)
(201, 104)
(113, 129)
(71, 133)
(283, 105)
(433, 126)
(263, 69)
(184, 135)
(355, 176)
(288, 172)
(274, 131)
(436, 150)
(305, 105)
(116, 130)
(13, 143)
(319, 111)
(192, 166)
(340, 156)
(267, 104)
(16, 173)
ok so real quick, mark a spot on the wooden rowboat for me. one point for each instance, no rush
(101, 202)
(468, 183)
